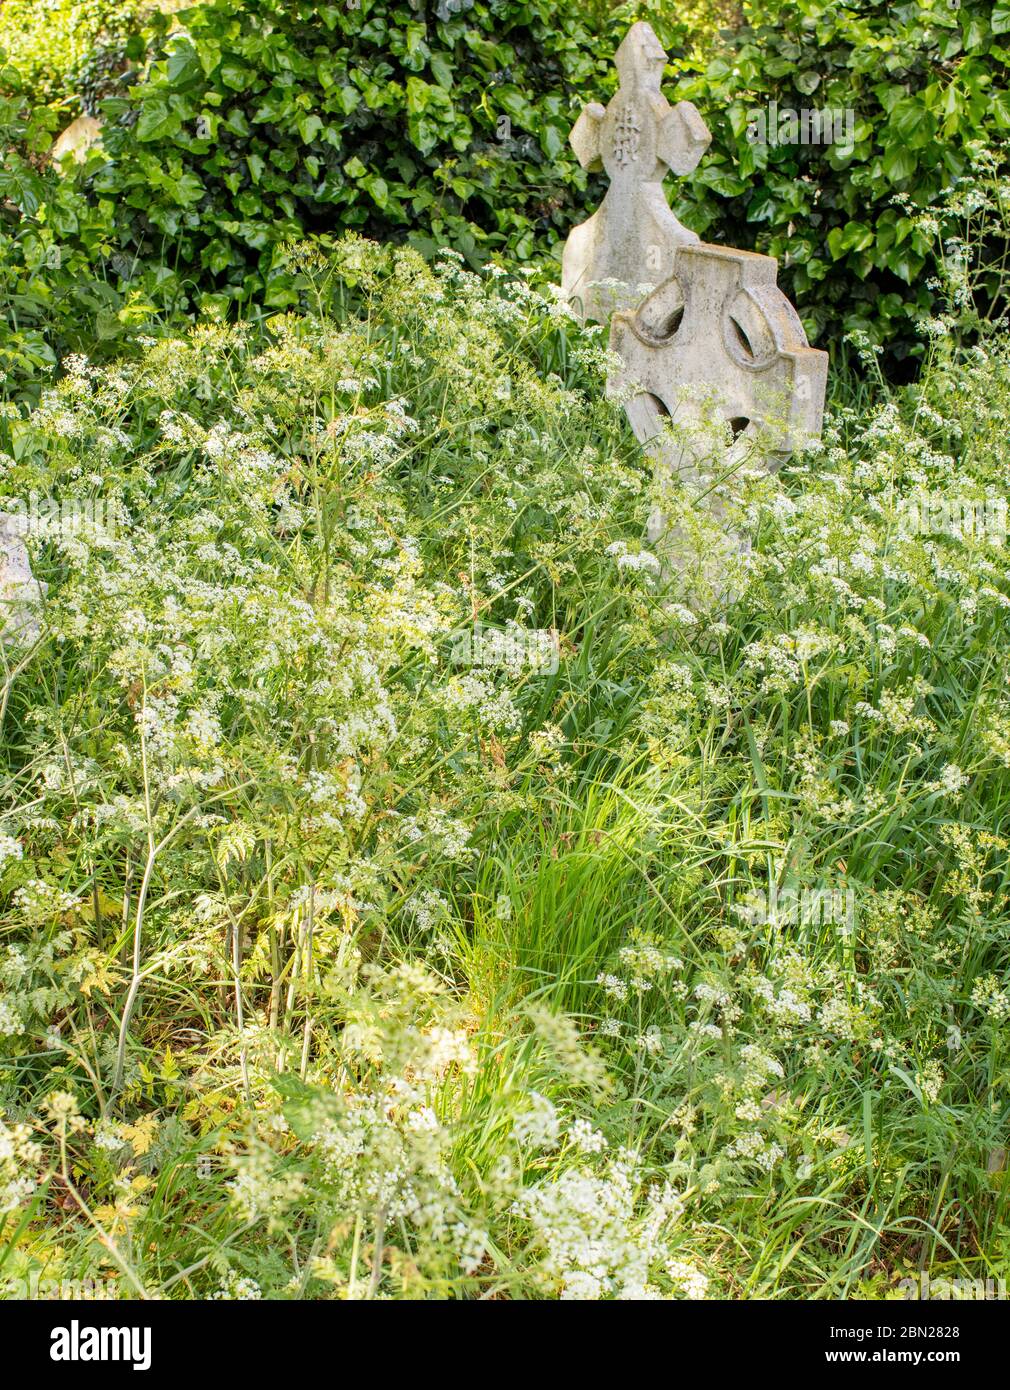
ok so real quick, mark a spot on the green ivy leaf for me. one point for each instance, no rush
(309, 127)
(157, 121)
(899, 163)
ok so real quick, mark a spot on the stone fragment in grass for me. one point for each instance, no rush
(20, 592)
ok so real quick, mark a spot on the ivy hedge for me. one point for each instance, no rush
(925, 86)
(243, 124)
(260, 121)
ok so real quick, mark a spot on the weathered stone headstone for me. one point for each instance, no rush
(711, 333)
(637, 139)
(718, 339)
(20, 592)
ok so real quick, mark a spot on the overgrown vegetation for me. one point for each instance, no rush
(347, 956)
(65, 51)
(410, 885)
(920, 87)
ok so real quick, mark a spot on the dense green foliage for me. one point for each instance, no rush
(64, 49)
(348, 958)
(927, 84)
(250, 124)
(53, 243)
(261, 121)
(250, 128)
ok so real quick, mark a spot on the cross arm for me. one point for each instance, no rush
(585, 138)
(682, 137)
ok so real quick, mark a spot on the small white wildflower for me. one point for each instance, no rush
(9, 849)
(586, 1138)
(539, 1126)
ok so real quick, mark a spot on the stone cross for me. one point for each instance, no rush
(714, 336)
(717, 339)
(631, 238)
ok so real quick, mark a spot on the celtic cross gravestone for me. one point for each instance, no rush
(697, 329)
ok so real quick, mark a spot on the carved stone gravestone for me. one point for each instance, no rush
(637, 139)
(721, 326)
(720, 339)
(715, 336)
